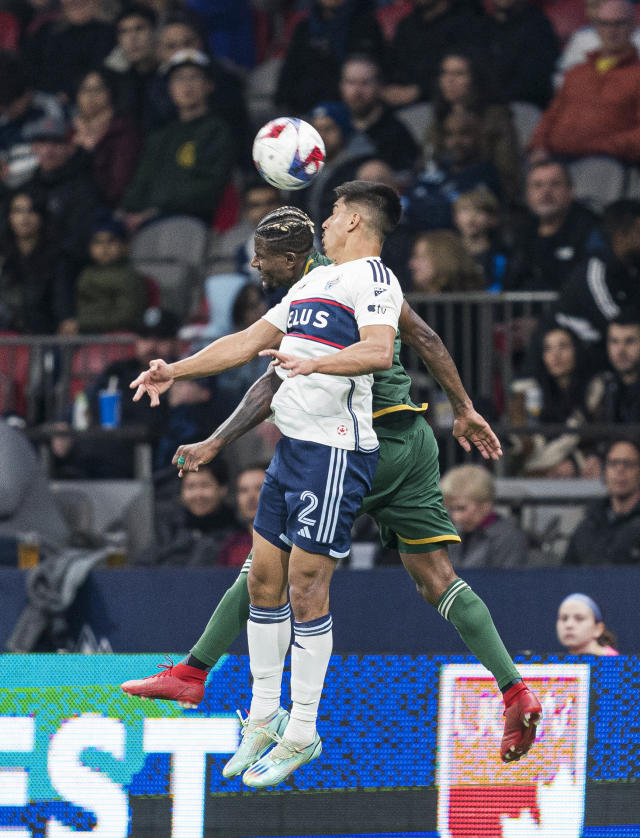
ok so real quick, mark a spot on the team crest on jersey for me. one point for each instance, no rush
(331, 283)
(342, 430)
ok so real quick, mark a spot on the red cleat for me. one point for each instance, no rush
(521, 715)
(181, 683)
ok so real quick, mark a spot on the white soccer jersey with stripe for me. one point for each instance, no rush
(321, 315)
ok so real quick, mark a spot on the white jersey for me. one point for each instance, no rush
(321, 315)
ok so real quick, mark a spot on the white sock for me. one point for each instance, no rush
(310, 654)
(268, 637)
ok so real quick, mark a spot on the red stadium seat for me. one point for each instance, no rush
(14, 377)
(90, 360)
(9, 31)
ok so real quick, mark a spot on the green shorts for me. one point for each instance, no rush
(405, 499)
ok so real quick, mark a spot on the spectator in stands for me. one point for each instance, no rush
(597, 109)
(232, 250)
(614, 395)
(459, 165)
(182, 30)
(111, 294)
(20, 107)
(62, 49)
(237, 545)
(361, 91)
(464, 83)
(610, 530)
(488, 539)
(555, 393)
(190, 530)
(554, 234)
(422, 38)
(344, 153)
(584, 41)
(111, 140)
(37, 294)
(26, 502)
(319, 45)
(524, 48)
(134, 62)
(64, 175)
(230, 26)
(602, 285)
(186, 165)
(581, 628)
(439, 262)
(476, 217)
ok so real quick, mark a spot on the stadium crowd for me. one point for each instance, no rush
(128, 200)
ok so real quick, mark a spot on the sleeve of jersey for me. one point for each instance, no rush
(377, 296)
(278, 315)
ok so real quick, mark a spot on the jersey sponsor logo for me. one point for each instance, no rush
(324, 321)
(378, 309)
(302, 317)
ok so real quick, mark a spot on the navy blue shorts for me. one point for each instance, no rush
(311, 496)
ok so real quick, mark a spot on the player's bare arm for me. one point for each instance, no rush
(223, 354)
(469, 427)
(253, 409)
(374, 351)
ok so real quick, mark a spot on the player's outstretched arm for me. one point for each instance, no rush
(469, 427)
(223, 354)
(254, 408)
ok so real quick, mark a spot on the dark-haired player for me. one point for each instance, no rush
(405, 499)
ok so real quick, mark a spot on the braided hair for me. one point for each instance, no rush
(287, 228)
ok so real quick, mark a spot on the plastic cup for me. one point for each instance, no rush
(110, 408)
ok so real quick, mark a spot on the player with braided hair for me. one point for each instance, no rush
(406, 479)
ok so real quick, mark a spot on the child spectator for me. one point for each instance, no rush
(488, 539)
(111, 294)
(476, 217)
(581, 628)
(439, 262)
(112, 141)
(36, 281)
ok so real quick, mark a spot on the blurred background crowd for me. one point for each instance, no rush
(128, 200)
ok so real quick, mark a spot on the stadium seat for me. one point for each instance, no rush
(220, 292)
(417, 118)
(15, 379)
(525, 118)
(9, 31)
(172, 251)
(90, 359)
(598, 180)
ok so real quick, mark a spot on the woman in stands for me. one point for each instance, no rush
(463, 83)
(36, 281)
(581, 628)
(553, 394)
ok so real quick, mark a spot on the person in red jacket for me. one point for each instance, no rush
(597, 109)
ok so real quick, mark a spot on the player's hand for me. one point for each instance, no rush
(190, 457)
(154, 382)
(473, 429)
(296, 366)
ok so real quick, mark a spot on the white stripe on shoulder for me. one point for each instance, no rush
(597, 284)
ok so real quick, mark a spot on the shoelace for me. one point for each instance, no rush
(165, 667)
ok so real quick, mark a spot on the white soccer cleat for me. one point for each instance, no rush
(276, 766)
(256, 738)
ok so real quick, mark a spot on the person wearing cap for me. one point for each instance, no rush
(111, 294)
(186, 165)
(581, 628)
(64, 176)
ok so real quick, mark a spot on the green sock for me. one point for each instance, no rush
(226, 622)
(473, 622)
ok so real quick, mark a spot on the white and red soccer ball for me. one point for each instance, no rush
(288, 153)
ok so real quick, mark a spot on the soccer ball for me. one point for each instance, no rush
(288, 152)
